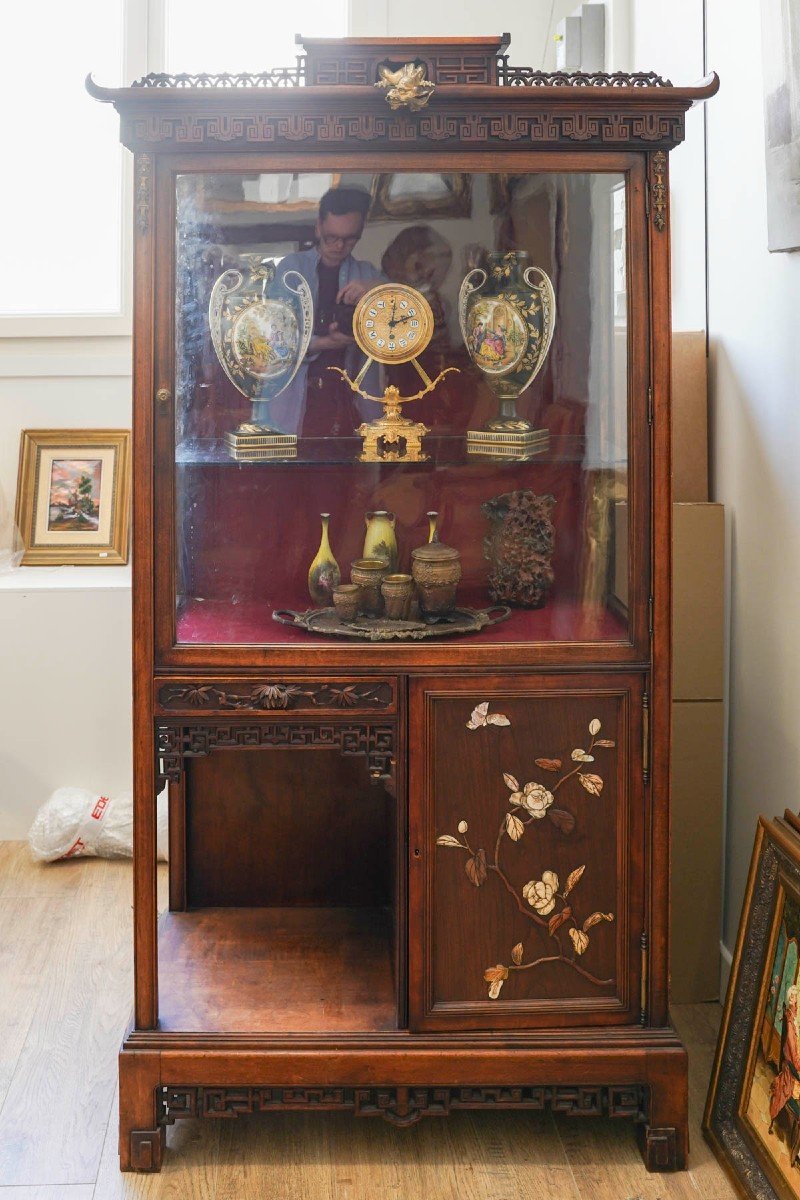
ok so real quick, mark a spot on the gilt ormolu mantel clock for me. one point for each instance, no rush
(432, 873)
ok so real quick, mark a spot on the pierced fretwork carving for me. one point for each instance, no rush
(273, 695)
(174, 743)
(399, 1105)
(277, 77)
(530, 77)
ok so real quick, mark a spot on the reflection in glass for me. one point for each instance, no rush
(552, 518)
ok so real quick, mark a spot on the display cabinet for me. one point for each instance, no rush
(402, 312)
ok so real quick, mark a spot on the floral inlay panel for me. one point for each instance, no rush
(560, 911)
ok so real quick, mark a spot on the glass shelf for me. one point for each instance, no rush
(442, 450)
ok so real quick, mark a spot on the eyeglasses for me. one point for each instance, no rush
(330, 240)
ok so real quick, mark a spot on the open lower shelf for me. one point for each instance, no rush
(276, 970)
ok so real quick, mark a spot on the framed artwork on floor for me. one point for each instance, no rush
(752, 1117)
(73, 496)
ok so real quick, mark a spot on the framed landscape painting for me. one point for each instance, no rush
(752, 1117)
(73, 494)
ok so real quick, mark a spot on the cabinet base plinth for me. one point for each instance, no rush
(653, 1096)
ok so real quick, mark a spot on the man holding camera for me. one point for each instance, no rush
(318, 402)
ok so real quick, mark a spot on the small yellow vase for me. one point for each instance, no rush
(324, 575)
(380, 540)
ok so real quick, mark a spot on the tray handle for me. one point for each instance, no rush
(280, 615)
(502, 609)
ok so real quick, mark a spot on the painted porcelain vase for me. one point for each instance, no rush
(261, 321)
(507, 315)
(380, 540)
(324, 575)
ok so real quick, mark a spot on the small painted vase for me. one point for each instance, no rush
(380, 540)
(324, 575)
(433, 526)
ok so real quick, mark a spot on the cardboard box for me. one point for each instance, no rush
(698, 602)
(689, 417)
(696, 893)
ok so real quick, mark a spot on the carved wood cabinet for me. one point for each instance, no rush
(413, 875)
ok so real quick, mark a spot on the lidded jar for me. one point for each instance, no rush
(436, 569)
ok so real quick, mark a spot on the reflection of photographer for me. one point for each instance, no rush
(318, 403)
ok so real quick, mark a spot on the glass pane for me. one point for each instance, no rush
(516, 287)
(61, 252)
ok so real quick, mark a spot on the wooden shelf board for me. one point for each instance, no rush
(282, 970)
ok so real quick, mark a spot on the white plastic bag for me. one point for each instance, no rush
(75, 823)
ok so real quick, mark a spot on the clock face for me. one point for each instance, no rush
(393, 323)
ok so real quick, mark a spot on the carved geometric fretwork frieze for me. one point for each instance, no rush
(486, 128)
(658, 190)
(175, 743)
(271, 695)
(399, 1106)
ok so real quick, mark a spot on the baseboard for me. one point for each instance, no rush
(725, 964)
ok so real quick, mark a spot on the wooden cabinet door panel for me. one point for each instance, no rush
(526, 851)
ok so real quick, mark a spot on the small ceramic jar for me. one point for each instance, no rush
(347, 601)
(436, 570)
(368, 574)
(397, 591)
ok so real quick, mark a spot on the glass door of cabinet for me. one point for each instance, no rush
(523, 463)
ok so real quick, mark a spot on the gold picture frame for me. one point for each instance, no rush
(73, 497)
(752, 1116)
(452, 199)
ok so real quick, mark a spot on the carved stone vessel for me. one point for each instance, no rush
(519, 547)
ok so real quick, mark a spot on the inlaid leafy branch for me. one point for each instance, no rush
(544, 902)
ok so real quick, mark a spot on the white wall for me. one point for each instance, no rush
(65, 710)
(754, 303)
(669, 41)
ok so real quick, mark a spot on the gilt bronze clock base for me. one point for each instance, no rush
(392, 438)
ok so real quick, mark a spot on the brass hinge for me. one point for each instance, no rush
(646, 737)
(647, 197)
(163, 397)
(643, 989)
(650, 617)
(649, 406)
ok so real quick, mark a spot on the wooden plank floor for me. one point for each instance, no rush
(65, 996)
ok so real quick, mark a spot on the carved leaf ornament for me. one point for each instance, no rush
(542, 900)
